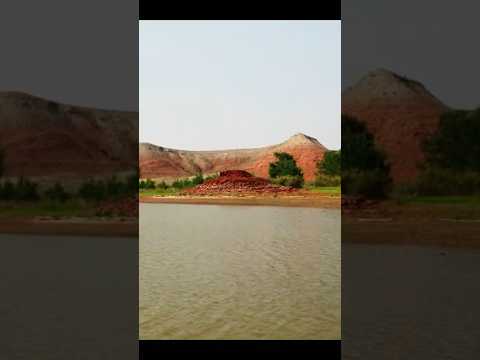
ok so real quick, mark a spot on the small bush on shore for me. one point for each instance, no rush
(437, 181)
(289, 180)
(57, 193)
(327, 180)
(370, 183)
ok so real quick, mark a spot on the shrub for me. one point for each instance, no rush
(455, 143)
(327, 180)
(288, 180)
(364, 168)
(93, 190)
(331, 163)
(149, 184)
(162, 185)
(198, 179)
(181, 184)
(373, 184)
(25, 190)
(57, 193)
(284, 166)
(438, 181)
(7, 190)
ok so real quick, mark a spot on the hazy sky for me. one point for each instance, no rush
(74, 52)
(220, 85)
(430, 41)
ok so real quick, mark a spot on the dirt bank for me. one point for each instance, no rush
(412, 224)
(301, 200)
(127, 227)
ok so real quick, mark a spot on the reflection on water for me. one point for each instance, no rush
(226, 272)
(410, 302)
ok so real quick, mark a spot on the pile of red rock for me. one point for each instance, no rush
(126, 207)
(238, 181)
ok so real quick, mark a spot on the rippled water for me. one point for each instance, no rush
(239, 272)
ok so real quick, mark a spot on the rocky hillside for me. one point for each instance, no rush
(47, 139)
(399, 112)
(157, 162)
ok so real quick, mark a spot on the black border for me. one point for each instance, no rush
(320, 10)
(328, 349)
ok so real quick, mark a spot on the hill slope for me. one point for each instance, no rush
(401, 113)
(45, 138)
(162, 163)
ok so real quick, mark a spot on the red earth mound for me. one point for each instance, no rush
(238, 181)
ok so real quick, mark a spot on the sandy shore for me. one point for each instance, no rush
(70, 226)
(310, 200)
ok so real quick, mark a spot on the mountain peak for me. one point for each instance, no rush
(302, 139)
(385, 86)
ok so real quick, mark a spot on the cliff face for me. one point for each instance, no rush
(158, 162)
(400, 113)
(45, 138)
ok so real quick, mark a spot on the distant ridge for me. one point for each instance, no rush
(400, 113)
(164, 163)
(47, 139)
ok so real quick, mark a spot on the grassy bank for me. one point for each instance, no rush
(327, 190)
(159, 192)
(70, 208)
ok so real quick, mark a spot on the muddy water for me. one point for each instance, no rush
(410, 302)
(239, 272)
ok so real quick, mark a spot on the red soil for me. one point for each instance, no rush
(161, 163)
(238, 181)
(400, 113)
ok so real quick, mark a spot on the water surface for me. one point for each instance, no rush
(410, 302)
(239, 272)
(68, 297)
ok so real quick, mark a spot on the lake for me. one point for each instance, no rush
(239, 272)
(410, 302)
(68, 297)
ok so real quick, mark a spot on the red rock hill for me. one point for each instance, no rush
(48, 139)
(162, 163)
(400, 113)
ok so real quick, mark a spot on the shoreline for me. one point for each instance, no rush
(310, 201)
(439, 225)
(70, 227)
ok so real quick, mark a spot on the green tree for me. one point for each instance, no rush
(331, 163)
(359, 151)
(364, 167)
(455, 145)
(198, 179)
(284, 166)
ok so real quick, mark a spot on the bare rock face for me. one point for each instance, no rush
(162, 163)
(47, 139)
(400, 113)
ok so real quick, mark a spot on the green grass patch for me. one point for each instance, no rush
(328, 190)
(159, 192)
(70, 208)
